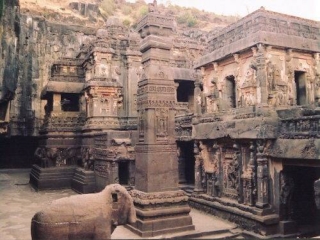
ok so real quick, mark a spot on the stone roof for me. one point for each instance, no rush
(266, 27)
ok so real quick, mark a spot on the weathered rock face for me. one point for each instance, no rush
(9, 64)
(29, 45)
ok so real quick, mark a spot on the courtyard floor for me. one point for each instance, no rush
(19, 202)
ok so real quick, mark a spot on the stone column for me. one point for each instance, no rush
(161, 207)
(262, 177)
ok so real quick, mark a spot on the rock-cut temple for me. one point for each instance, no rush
(228, 124)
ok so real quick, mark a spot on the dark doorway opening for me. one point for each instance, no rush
(301, 93)
(304, 210)
(184, 91)
(230, 93)
(70, 102)
(187, 156)
(123, 173)
(18, 152)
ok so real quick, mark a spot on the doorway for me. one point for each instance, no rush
(186, 166)
(230, 92)
(123, 172)
(303, 207)
(301, 92)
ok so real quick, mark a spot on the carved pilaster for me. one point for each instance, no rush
(248, 178)
(197, 94)
(260, 64)
(197, 170)
(262, 176)
(114, 172)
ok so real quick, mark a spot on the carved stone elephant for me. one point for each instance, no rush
(88, 216)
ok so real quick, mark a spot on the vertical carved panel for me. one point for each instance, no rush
(141, 126)
(230, 168)
(162, 116)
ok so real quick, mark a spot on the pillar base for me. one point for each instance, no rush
(51, 178)
(83, 181)
(161, 213)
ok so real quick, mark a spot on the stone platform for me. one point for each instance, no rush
(19, 202)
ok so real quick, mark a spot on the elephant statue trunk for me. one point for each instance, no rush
(88, 216)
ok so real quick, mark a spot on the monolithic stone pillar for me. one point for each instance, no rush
(161, 207)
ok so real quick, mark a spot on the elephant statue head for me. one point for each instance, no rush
(123, 210)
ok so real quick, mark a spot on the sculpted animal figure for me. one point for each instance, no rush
(88, 216)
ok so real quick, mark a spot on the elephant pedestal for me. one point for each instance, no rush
(161, 213)
(83, 181)
(52, 177)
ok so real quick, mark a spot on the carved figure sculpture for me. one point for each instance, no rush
(70, 156)
(48, 157)
(89, 216)
(87, 158)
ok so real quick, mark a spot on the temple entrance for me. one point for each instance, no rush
(301, 205)
(123, 173)
(186, 162)
(301, 94)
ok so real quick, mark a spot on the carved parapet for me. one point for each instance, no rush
(300, 128)
(63, 123)
(102, 123)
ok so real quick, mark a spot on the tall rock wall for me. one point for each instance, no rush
(9, 51)
(29, 45)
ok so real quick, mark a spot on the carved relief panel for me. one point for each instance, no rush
(141, 127)
(230, 173)
(162, 117)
